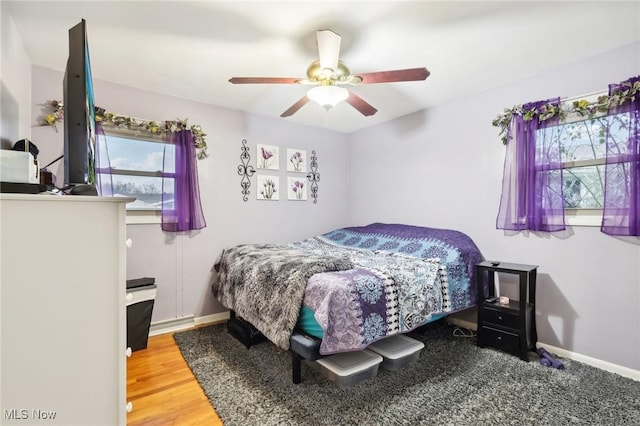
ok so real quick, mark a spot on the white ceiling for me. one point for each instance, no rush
(190, 49)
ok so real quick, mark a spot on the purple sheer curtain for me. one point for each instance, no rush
(181, 208)
(104, 181)
(621, 213)
(532, 197)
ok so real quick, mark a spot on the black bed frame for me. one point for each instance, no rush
(301, 345)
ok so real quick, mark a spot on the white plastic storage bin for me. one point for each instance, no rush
(397, 351)
(348, 368)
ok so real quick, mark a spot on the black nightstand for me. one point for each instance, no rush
(512, 327)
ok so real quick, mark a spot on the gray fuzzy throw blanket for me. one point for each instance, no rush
(265, 284)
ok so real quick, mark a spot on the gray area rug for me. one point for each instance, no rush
(452, 383)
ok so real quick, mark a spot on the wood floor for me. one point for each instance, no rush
(162, 388)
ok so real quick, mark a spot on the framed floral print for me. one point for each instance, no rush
(297, 188)
(296, 160)
(268, 157)
(268, 187)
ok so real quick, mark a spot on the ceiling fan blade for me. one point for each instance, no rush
(412, 74)
(295, 107)
(328, 49)
(263, 80)
(360, 104)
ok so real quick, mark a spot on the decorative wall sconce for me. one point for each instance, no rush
(314, 177)
(245, 170)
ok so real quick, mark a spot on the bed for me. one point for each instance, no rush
(345, 289)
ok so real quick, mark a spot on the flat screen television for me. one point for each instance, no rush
(79, 111)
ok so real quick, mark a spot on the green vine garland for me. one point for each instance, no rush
(130, 123)
(626, 93)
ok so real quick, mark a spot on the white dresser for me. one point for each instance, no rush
(63, 315)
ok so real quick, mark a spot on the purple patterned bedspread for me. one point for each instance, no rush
(404, 274)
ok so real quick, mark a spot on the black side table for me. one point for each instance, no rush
(510, 327)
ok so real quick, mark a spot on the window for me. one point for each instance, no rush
(599, 153)
(137, 164)
(583, 152)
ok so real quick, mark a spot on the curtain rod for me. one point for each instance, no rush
(588, 95)
(136, 119)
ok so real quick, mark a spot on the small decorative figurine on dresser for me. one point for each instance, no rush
(509, 325)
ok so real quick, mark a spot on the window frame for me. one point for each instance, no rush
(591, 217)
(143, 215)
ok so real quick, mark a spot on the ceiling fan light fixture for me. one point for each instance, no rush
(328, 96)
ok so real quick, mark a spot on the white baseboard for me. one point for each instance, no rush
(563, 353)
(184, 323)
(208, 319)
(594, 362)
(171, 325)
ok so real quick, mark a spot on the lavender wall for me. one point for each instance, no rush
(182, 263)
(15, 85)
(442, 167)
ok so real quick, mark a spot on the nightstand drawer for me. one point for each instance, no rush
(501, 318)
(499, 339)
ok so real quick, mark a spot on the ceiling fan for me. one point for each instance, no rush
(327, 74)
